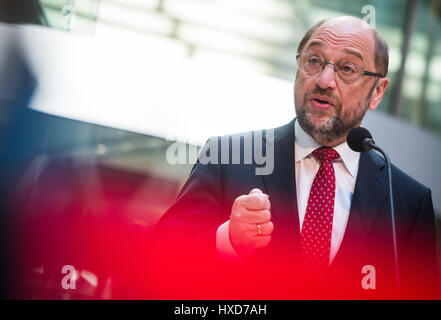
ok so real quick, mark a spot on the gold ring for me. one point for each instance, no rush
(259, 229)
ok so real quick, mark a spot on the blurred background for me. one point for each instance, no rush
(94, 94)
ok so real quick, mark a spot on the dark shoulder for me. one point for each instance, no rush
(400, 179)
(408, 190)
(403, 181)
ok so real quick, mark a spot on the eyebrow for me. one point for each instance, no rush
(349, 51)
(355, 53)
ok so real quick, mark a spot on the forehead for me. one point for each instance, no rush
(349, 39)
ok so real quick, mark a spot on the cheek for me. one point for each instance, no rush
(351, 103)
(302, 85)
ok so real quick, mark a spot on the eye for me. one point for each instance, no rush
(348, 68)
(314, 61)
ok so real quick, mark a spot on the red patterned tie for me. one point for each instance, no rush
(317, 225)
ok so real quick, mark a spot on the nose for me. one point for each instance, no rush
(326, 79)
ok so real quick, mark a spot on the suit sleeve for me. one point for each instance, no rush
(196, 213)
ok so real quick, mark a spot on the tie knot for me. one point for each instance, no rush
(326, 154)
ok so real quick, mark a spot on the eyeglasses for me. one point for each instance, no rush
(347, 72)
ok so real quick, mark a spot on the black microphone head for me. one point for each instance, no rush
(357, 139)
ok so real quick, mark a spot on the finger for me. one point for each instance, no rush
(254, 217)
(266, 229)
(256, 202)
(257, 191)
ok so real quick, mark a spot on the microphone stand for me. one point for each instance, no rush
(371, 144)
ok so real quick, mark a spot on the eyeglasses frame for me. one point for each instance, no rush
(364, 72)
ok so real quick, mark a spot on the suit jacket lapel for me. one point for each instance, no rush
(367, 202)
(281, 188)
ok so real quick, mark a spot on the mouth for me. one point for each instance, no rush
(321, 102)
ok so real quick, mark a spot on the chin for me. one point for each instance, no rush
(321, 121)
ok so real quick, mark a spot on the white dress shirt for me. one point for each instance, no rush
(306, 167)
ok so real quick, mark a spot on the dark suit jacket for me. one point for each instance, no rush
(186, 235)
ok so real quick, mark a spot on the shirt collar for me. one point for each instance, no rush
(305, 145)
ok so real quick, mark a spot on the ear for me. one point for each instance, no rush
(378, 92)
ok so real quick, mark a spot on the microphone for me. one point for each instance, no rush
(360, 140)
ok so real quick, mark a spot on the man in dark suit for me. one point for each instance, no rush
(315, 222)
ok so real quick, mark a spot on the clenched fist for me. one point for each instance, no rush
(250, 222)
